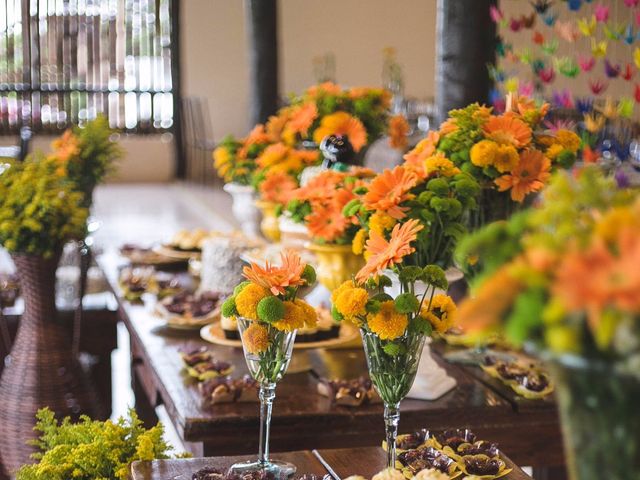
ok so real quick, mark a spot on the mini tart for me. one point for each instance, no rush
(187, 309)
(476, 448)
(534, 386)
(483, 466)
(210, 369)
(230, 327)
(455, 437)
(409, 441)
(412, 461)
(227, 390)
(349, 393)
(195, 356)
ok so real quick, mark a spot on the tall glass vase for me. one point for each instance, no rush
(267, 367)
(392, 376)
(599, 417)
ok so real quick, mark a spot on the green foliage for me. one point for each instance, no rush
(39, 209)
(96, 158)
(420, 325)
(407, 303)
(91, 450)
(435, 276)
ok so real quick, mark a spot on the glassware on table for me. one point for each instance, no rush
(392, 377)
(267, 367)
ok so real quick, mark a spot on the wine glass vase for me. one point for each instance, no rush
(267, 368)
(392, 374)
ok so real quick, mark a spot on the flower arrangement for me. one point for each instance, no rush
(565, 282)
(432, 193)
(319, 204)
(235, 160)
(39, 209)
(510, 155)
(86, 154)
(268, 301)
(91, 449)
(394, 329)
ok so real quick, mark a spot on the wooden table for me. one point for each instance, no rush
(353, 461)
(302, 419)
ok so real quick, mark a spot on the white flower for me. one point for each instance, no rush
(389, 474)
(431, 474)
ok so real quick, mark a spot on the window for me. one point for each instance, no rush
(64, 61)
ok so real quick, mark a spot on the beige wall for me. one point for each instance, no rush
(355, 31)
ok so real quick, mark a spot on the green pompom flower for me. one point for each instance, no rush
(270, 309)
(239, 287)
(407, 303)
(434, 275)
(309, 274)
(229, 307)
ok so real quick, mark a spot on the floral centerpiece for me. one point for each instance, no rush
(565, 281)
(319, 205)
(510, 155)
(86, 155)
(269, 312)
(394, 329)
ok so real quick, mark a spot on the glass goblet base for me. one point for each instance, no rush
(280, 470)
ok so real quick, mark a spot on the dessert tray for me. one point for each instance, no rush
(184, 245)
(188, 311)
(213, 333)
(525, 378)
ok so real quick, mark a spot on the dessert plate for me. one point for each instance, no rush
(348, 334)
(176, 254)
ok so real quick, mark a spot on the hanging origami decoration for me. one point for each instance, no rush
(625, 107)
(525, 56)
(550, 47)
(537, 65)
(631, 3)
(514, 25)
(628, 72)
(587, 26)
(598, 86)
(511, 84)
(547, 75)
(496, 74)
(528, 21)
(567, 67)
(562, 98)
(598, 49)
(629, 36)
(636, 57)
(541, 6)
(550, 18)
(526, 89)
(574, 5)
(601, 13)
(637, 93)
(613, 32)
(538, 38)
(567, 31)
(584, 105)
(496, 14)
(611, 70)
(586, 63)
(609, 109)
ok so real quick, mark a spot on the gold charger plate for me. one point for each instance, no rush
(349, 335)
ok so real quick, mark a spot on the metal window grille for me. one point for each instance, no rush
(63, 62)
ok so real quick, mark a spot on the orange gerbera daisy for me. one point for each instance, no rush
(321, 186)
(302, 117)
(326, 222)
(448, 126)
(277, 278)
(530, 175)
(257, 135)
(66, 146)
(327, 88)
(277, 187)
(276, 124)
(508, 129)
(398, 132)
(383, 254)
(389, 189)
(341, 123)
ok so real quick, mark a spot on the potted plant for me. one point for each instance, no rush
(40, 210)
(562, 279)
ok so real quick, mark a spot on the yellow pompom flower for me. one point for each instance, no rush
(553, 151)
(310, 313)
(387, 323)
(248, 298)
(442, 312)
(352, 302)
(359, 239)
(506, 158)
(568, 140)
(381, 221)
(293, 318)
(348, 285)
(256, 338)
(441, 165)
(483, 153)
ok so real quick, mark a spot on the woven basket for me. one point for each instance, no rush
(42, 370)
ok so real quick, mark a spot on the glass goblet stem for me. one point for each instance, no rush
(391, 421)
(267, 394)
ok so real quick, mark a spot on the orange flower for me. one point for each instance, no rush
(272, 155)
(302, 117)
(341, 123)
(414, 160)
(383, 254)
(589, 155)
(276, 124)
(448, 126)
(389, 189)
(327, 88)
(595, 279)
(508, 129)
(66, 146)
(277, 187)
(398, 132)
(326, 222)
(277, 278)
(320, 187)
(530, 175)
(257, 135)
